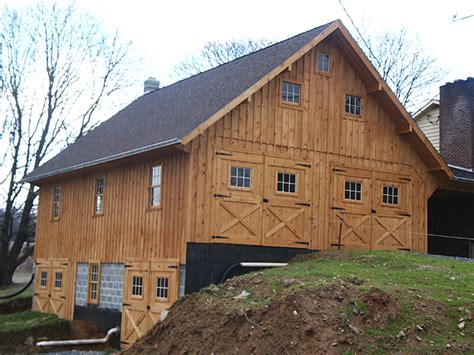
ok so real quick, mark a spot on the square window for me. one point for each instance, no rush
(286, 182)
(137, 286)
(390, 195)
(58, 280)
(353, 191)
(43, 279)
(353, 105)
(162, 284)
(240, 177)
(323, 61)
(291, 92)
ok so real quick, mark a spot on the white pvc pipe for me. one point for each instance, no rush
(80, 341)
(254, 264)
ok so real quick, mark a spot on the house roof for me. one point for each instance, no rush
(427, 107)
(179, 112)
(462, 174)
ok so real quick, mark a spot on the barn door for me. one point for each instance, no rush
(51, 289)
(237, 198)
(287, 207)
(150, 288)
(350, 225)
(391, 220)
(42, 286)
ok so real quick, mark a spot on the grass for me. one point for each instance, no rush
(13, 288)
(24, 321)
(414, 279)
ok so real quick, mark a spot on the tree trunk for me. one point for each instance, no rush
(6, 274)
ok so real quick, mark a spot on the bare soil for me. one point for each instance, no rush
(23, 342)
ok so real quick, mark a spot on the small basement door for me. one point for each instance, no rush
(51, 289)
(370, 210)
(261, 200)
(149, 289)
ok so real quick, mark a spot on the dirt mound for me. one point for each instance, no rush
(326, 319)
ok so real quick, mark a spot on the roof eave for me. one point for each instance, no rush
(35, 178)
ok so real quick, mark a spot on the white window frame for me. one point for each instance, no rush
(137, 286)
(237, 181)
(99, 195)
(353, 105)
(43, 279)
(289, 94)
(286, 184)
(390, 195)
(56, 201)
(353, 190)
(156, 176)
(162, 288)
(58, 281)
(323, 62)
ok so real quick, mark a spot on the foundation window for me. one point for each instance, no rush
(286, 183)
(99, 195)
(58, 280)
(94, 282)
(353, 106)
(390, 195)
(137, 286)
(353, 191)
(155, 186)
(56, 201)
(323, 61)
(240, 177)
(43, 279)
(290, 93)
(162, 285)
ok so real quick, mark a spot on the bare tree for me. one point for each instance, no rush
(408, 68)
(59, 68)
(216, 53)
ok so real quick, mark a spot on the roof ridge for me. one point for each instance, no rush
(241, 57)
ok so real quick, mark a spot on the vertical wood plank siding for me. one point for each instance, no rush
(128, 228)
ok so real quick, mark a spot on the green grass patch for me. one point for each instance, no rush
(19, 322)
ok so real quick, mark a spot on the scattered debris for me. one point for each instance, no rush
(461, 325)
(401, 334)
(354, 329)
(419, 327)
(242, 296)
(288, 282)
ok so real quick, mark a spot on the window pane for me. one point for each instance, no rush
(290, 92)
(353, 190)
(286, 182)
(240, 177)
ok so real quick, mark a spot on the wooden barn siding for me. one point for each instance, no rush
(128, 228)
(320, 132)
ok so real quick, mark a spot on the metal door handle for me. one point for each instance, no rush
(265, 200)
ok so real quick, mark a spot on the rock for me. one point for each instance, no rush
(461, 309)
(461, 325)
(419, 327)
(334, 344)
(448, 346)
(295, 313)
(164, 314)
(401, 334)
(288, 282)
(242, 296)
(355, 311)
(354, 329)
(343, 318)
(30, 341)
(452, 278)
(418, 338)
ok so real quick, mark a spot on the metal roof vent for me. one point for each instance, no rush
(151, 84)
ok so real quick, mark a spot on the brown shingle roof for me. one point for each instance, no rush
(165, 116)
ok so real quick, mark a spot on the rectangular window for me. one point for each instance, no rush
(99, 195)
(56, 201)
(43, 279)
(323, 62)
(286, 182)
(390, 195)
(353, 105)
(58, 280)
(162, 288)
(291, 92)
(353, 191)
(155, 185)
(137, 286)
(94, 280)
(240, 177)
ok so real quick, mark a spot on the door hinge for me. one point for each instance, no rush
(304, 165)
(221, 196)
(224, 153)
(172, 267)
(302, 204)
(63, 297)
(405, 214)
(405, 249)
(303, 243)
(126, 304)
(338, 208)
(128, 265)
(339, 170)
(336, 245)
(405, 179)
(219, 237)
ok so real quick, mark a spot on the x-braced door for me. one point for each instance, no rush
(149, 289)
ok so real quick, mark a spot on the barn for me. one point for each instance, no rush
(299, 146)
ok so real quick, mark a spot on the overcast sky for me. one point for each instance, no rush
(164, 32)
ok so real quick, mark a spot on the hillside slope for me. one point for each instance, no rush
(341, 302)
